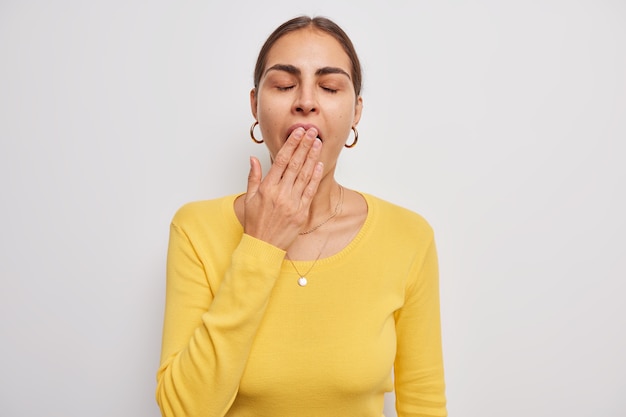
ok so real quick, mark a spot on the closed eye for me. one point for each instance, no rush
(330, 90)
(285, 88)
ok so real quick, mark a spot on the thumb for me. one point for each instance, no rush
(254, 176)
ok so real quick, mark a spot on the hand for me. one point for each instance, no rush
(277, 206)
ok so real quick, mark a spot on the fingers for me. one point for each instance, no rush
(296, 158)
(277, 206)
(311, 187)
(305, 174)
(254, 177)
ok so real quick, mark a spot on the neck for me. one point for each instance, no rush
(324, 203)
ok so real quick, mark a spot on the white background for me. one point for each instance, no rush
(502, 122)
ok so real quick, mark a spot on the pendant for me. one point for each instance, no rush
(302, 281)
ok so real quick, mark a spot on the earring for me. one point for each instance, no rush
(252, 132)
(356, 138)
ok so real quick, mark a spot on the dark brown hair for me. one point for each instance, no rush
(321, 23)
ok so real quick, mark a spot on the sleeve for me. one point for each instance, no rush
(418, 370)
(207, 337)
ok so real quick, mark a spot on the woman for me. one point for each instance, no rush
(298, 297)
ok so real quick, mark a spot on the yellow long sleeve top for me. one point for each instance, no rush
(242, 338)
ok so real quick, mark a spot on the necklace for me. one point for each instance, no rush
(303, 281)
(337, 208)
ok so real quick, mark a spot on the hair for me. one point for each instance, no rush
(320, 23)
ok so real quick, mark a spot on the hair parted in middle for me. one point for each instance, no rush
(320, 23)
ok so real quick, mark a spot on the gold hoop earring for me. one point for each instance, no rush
(252, 132)
(356, 138)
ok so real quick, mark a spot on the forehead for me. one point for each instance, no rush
(308, 49)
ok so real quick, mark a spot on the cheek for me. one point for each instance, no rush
(262, 109)
(344, 112)
(270, 115)
(266, 117)
(269, 129)
(344, 120)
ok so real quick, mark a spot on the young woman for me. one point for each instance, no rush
(298, 297)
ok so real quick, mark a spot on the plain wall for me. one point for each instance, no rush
(502, 122)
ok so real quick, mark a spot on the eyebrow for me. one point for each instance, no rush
(291, 69)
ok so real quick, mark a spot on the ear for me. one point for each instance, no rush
(253, 102)
(358, 108)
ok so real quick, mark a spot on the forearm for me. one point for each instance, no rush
(419, 376)
(200, 371)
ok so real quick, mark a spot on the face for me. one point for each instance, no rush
(307, 82)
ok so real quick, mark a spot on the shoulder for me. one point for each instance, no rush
(197, 213)
(398, 220)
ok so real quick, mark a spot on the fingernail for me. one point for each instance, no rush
(311, 133)
(298, 133)
(317, 143)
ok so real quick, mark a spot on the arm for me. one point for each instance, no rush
(206, 338)
(208, 332)
(419, 378)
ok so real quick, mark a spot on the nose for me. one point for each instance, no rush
(306, 101)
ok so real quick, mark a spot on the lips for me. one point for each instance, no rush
(305, 127)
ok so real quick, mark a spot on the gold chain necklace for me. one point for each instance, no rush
(337, 208)
(302, 280)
